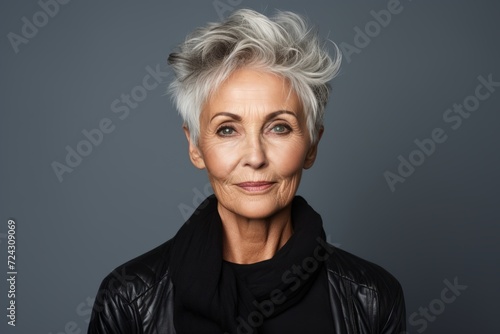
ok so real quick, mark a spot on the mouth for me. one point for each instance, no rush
(255, 186)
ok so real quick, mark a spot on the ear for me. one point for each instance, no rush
(313, 151)
(194, 152)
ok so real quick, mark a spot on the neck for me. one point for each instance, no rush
(247, 240)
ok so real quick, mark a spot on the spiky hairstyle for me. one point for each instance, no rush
(283, 44)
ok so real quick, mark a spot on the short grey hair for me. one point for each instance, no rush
(283, 44)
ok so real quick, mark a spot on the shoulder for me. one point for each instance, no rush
(137, 276)
(136, 296)
(378, 293)
(360, 271)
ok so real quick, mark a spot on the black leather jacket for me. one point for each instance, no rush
(137, 297)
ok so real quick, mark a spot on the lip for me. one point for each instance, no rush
(255, 186)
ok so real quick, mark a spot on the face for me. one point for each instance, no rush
(254, 143)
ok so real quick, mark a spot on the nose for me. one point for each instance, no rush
(254, 153)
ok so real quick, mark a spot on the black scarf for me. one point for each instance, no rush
(208, 295)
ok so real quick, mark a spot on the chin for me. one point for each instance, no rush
(256, 207)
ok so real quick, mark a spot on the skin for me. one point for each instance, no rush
(252, 129)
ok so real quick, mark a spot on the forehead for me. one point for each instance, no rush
(248, 89)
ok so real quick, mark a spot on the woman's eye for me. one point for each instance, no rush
(280, 128)
(225, 131)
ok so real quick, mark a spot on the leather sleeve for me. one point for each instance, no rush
(112, 312)
(396, 315)
(372, 299)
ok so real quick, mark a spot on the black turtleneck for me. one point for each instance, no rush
(312, 314)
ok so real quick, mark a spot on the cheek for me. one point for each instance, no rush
(288, 159)
(219, 159)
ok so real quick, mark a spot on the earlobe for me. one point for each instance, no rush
(194, 152)
(313, 151)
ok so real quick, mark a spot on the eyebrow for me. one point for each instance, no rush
(268, 117)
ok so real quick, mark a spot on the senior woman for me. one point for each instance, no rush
(253, 257)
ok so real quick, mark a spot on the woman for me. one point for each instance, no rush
(253, 257)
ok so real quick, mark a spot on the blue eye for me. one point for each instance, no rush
(281, 129)
(225, 131)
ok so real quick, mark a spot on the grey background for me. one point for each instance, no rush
(130, 193)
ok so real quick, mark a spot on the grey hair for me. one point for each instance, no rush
(284, 45)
